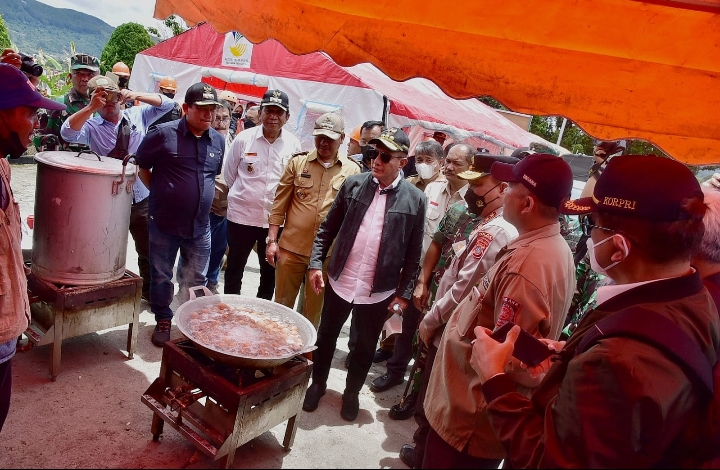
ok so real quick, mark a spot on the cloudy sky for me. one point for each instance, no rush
(112, 12)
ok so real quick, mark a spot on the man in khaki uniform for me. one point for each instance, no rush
(531, 284)
(305, 193)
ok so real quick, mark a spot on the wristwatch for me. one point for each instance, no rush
(269, 240)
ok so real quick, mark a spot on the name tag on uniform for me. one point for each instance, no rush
(305, 175)
(458, 247)
(251, 154)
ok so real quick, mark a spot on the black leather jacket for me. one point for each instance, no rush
(398, 263)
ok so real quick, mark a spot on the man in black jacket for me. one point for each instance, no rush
(376, 223)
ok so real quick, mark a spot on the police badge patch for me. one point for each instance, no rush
(483, 241)
(508, 311)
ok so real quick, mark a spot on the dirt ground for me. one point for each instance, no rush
(92, 415)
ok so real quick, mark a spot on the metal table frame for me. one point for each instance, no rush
(60, 312)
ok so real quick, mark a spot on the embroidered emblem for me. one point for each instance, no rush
(483, 241)
(508, 311)
(301, 194)
(250, 168)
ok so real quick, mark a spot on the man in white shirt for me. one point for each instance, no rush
(256, 160)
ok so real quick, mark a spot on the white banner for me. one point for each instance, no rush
(237, 51)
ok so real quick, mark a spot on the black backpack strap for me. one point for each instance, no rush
(658, 331)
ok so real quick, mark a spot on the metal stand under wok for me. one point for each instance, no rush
(60, 312)
(219, 408)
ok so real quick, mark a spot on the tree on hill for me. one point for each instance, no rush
(4, 35)
(126, 41)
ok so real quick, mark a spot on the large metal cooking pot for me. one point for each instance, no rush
(285, 314)
(82, 216)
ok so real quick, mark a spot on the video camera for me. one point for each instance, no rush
(29, 66)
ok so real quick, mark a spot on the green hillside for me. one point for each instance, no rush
(34, 25)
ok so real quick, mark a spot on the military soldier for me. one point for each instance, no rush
(83, 68)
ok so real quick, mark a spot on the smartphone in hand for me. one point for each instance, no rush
(528, 348)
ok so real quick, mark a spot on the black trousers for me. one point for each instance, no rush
(139, 232)
(5, 388)
(369, 320)
(241, 239)
(398, 363)
(440, 454)
(421, 433)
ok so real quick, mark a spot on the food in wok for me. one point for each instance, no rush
(244, 331)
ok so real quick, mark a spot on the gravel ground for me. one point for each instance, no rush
(92, 415)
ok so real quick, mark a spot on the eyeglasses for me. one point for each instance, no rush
(222, 119)
(587, 226)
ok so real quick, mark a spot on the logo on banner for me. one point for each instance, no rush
(237, 50)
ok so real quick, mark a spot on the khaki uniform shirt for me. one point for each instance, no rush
(304, 195)
(421, 184)
(532, 285)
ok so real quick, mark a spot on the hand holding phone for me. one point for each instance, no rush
(528, 349)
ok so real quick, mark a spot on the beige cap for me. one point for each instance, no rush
(107, 82)
(330, 125)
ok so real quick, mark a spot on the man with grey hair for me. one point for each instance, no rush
(429, 159)
(706, 256)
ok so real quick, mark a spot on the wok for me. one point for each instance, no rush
(285, 314)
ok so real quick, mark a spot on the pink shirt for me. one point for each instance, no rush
(355, 281)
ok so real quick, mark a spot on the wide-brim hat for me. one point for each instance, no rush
(482, 162)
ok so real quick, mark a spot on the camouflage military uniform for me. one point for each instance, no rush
(73, 101)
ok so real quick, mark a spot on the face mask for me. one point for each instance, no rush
(425, 171)
(593, 260)
(169, 95)
(476, 203)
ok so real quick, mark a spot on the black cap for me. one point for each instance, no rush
(546, 176)
(644, 186)
(276, 98)
(201, 94)
(393, 138)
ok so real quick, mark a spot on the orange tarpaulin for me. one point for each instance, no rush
(618, 68)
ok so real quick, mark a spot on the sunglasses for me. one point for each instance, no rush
(373, 153)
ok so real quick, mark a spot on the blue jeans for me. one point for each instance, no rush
(194, 255)
(218, 246)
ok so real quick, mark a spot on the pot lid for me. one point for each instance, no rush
(84, 162)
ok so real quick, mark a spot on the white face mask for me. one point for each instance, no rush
(593, 260)
(425, 171)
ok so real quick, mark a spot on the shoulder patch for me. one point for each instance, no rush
(509, 308)
(484, 239)
(297, 154)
